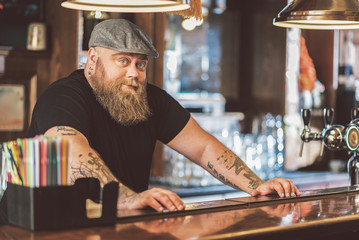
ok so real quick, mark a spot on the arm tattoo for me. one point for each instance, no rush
(253, 183)
(234, 163)
(221, 177)
(66, 130)
(95, 161)
(125, 192)
(92, 166)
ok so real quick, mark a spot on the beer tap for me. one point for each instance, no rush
(328, 115)
(336, 137)
(333, 135)
(307, 135)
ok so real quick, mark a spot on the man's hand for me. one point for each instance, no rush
(283, 187)
(156, 198)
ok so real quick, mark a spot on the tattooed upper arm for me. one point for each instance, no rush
(86, 161)
(63, 130)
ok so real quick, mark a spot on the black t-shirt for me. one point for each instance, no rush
(127, 151)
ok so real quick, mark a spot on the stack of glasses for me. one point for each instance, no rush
(262, 150)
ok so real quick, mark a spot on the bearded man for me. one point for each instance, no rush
(114, 117)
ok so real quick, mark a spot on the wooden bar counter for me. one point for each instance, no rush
(317, 214)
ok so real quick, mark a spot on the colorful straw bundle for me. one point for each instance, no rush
(39, 161)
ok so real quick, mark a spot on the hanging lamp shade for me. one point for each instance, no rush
(133, 6)
(319, 14)
(186, 8)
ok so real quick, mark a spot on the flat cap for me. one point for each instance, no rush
(122, 35)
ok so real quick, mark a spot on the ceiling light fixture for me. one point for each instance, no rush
(319, 14)
(131, 6)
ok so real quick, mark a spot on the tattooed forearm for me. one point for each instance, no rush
(91, 166)
(125, 192)
(66, 130)
(238, 166)
(215, 173)
(221, 177)
(99, 165)
(210, 166)
(233, 163)
(253, 183)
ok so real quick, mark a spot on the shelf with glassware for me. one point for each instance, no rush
(262, 150)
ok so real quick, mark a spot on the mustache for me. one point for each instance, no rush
(130, 82)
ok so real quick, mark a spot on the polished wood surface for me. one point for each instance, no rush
(324, 214)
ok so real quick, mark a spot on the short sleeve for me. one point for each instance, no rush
(60, 105)
(170, 116)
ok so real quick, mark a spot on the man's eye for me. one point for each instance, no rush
(141, 65)
(123, 61)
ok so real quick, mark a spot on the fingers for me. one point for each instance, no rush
(169, 200)
(279, 188)
(290, 190)
(161, 199)
(153, 203)
(286, 186)
(254, 193)
(156, 198)
(176, 200)
(283, 187)
(295, 191)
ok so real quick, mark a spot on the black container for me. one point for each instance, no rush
(60, 207)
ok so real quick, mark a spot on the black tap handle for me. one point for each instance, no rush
(355, 113)
(328, 114)
(306, 115)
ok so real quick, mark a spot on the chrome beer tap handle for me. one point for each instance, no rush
(333, 134)
(306, 115)
(328, 114)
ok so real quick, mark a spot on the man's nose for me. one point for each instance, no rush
(132, 71)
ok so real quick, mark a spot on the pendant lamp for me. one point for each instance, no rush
(182, 7)
(126, 5)
(319, 14)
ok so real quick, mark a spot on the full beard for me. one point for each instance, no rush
(127, 107)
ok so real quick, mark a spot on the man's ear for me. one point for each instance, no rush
(92, 56)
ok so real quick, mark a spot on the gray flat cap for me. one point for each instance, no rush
(123, 36)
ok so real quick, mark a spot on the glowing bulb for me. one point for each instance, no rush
(191, 23)
(188, 24)
(98, 14)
